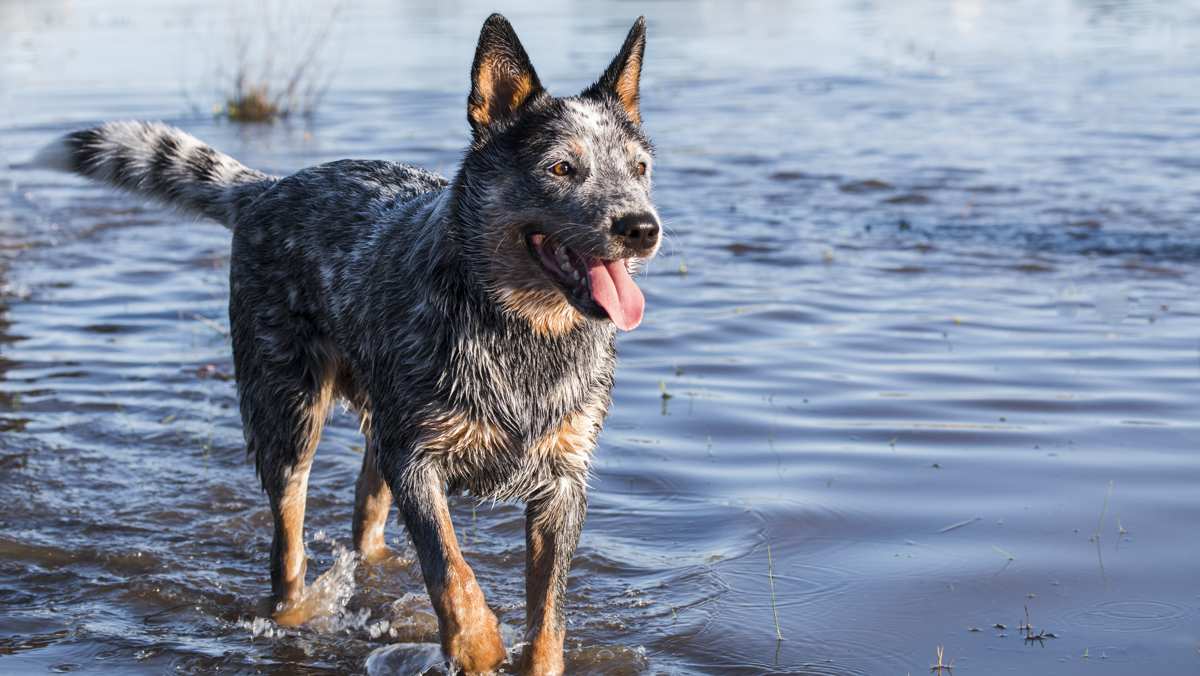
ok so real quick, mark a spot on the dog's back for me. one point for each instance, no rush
(319, 232)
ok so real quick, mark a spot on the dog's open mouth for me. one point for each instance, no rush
(599, 287)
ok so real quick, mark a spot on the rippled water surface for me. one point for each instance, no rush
(923, 349)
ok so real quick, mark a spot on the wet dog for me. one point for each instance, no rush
(470, 322)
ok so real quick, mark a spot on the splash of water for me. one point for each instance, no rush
(330, 596)
(261, 627)
(326, 601)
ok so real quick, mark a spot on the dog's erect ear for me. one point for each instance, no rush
(502, 78)
(624, 73)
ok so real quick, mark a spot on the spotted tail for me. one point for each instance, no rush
(159, 162)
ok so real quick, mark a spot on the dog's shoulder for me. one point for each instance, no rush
(330, 206)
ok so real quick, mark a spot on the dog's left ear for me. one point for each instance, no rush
(502, 77)
(624, 74)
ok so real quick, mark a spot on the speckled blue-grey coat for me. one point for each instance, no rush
(469, 322)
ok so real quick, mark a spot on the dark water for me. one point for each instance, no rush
(928, 324)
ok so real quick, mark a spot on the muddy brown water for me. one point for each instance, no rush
(926, 326)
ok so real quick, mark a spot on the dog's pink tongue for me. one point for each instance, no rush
(615, 291)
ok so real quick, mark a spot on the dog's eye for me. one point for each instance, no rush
(562, 169)
(641, 168)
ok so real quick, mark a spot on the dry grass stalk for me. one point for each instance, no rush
(771, 580)
(262, 90)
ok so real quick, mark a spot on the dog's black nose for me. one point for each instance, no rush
(639, 231)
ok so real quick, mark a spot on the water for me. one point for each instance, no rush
(927, 327)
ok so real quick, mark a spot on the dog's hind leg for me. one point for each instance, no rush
(372, 496)
(469, 631)
(284, 396)
(372, 502)
(553, 520)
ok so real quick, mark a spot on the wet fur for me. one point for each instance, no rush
(413, 299)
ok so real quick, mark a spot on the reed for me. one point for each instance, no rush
(941, 665)
(771, 581)
(279, 67)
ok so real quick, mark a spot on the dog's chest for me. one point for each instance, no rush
(457, 433)
(491, 459)
(519, 415)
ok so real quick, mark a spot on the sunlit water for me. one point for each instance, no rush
(923, 349)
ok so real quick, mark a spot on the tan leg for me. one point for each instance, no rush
(469, 631)
(288, 558)
(552, 526)
(288, 494)
(372, 502)
(544, 633)
(284, 439)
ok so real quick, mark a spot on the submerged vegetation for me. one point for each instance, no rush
(279, 67)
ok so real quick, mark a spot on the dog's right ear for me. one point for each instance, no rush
(502, 77)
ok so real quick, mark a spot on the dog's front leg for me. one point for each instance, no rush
(553, 521)
(468, 629)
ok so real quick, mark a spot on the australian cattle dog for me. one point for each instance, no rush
(470, 322)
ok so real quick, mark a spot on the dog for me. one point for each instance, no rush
(470, 322)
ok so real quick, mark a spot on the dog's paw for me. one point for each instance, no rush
(543, 656)
(477, 648)
(376, 554)
(471, 634)
(295, 612)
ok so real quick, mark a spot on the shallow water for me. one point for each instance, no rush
(922, 350)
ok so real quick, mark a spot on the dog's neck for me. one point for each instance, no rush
(481, 248)
(450, 298)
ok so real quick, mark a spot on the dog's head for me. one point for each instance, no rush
(557, 190)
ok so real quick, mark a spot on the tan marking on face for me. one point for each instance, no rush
(500, 89)
(544, 309)
(635, 152)
(523, 289)
(455, 432)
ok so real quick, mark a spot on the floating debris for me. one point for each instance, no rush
(960, 524)
(1005, 553)
(1029, 636)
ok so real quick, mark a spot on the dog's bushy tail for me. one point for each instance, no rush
(160, 162)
